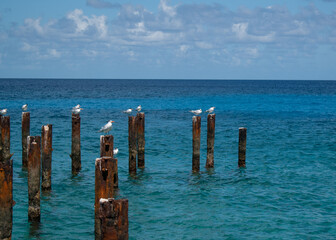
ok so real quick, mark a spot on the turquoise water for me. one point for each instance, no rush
(287, 190)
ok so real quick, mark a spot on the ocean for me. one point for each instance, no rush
(286, 191)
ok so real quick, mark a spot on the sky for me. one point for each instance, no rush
(168, 39)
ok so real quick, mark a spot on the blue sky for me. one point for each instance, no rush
(190, 39)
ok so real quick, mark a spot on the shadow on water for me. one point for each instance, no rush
(34, 230)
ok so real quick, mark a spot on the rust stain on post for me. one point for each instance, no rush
(105, 179)
(46, 156)
(140, 122)
(196, 143)
(76, 146)
(132, 145)
(113, 217)
(242, 147)
(106, 150)
(6, 180)
(25, 134)
(34, 174)
(210, 141)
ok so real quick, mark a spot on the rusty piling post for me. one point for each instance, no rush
(140, 125)
(132, 145)
(196, 143)
(106, 150)
(34, 174)
(75, 146)
(105, 177)
(242, 147)
(25, 134)
(46, 156)
(113, 217)
(6, 180)
(210, 141)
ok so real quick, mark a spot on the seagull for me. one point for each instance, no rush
(77, 106)
(210, 110)
(115, 151)
(138, 108)
(76, 110)
(25, 107)
(107, 127)
(196, 112)
(3, 112)
(128, 111)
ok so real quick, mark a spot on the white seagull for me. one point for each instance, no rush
(128, 111)
(25, 107)
(3, 111)
(210, 110)
(77, 106)
(107, 127)
(196, 112)
(115, 151)
(76, 110)
(138, 108)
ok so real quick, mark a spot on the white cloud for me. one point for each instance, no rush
(241, 32)
(54, 53)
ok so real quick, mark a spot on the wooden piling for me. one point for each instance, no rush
(132, 145)
(34, 174)
(106, 150)
(242, 147)
(140, 125)
(113, 217)
(25, 133)
(6, 180)
(46, 156)
(75, 146)
(196, 143)
(210, 141)
(105, 177)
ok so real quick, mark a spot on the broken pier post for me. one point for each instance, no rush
(113, 217)
(106, 150)
(196, 143)
(76, 144)
(25, 134)
(210, 141)
(140, 122)
(105, 179)
(132, 148)
(34, 174)
(6, 180)
(46, 156)
(242, 147)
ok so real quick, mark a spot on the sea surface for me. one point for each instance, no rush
(286, 191)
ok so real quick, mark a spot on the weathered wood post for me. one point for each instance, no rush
(6, 180)
(106, 150)
(242, 147)
(113, 216)
(106, 146)
(132, 145)
(46, 156)
(210, 140)
(34, 174)
(105, 169)
(75, 146)
(140, 125)
(196, 143)
(25, 134)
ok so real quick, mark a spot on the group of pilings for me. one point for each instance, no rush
(136, 142)
(196, 143)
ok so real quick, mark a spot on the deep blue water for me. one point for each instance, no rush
(287, 191)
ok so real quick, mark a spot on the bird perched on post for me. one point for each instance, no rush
(138, 108)
(210, 110)
(3, 112)
(107, 127)
(128, 111)
(76, 109)
(196, 112)
(25, 107)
